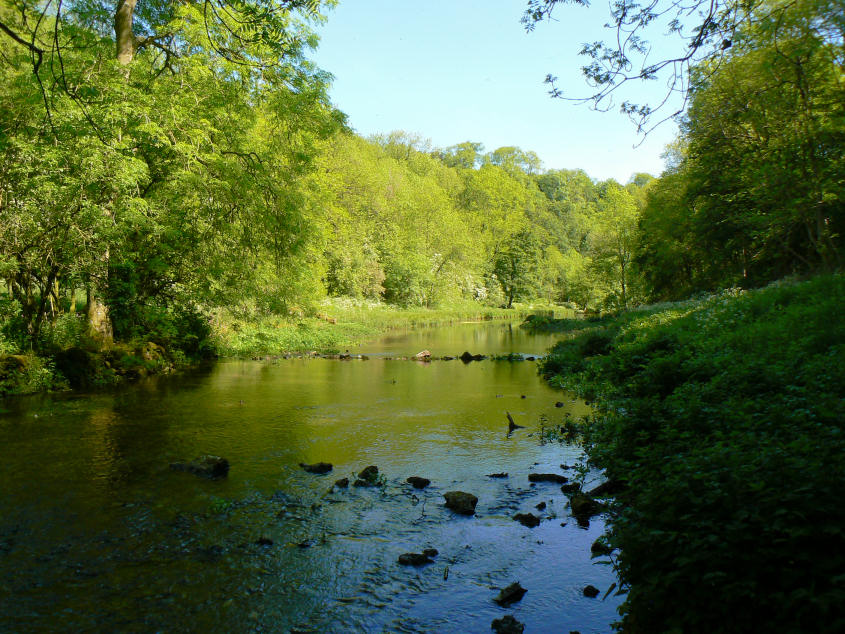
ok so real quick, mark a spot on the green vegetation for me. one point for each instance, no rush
(339, 324)
(176, 176)
(724, 418)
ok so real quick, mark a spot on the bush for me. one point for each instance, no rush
(726, 418)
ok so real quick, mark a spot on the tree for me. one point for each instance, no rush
(179, 155)
(704, 32)
(773, 112)
(517, 266)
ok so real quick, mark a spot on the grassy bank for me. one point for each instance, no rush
(723, 418)
(338, 325)
(68, 359)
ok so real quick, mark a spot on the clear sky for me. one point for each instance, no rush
(466, 70)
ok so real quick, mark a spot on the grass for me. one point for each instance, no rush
(725, 417)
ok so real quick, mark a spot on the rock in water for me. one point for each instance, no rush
(547, 477)
(608, 488)
(583, 506)
(507, 625)
(425, 354)
(431, 552)
(460, 502)
(591, 591)
(414, 559)
(513, 593)
(418, 482)
(370, 474)
(497, 475)
(205, 466)
(342, 483)
(527, 519)
(318, 467)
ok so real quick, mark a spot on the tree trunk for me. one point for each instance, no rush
(123, 35)
(99, 323)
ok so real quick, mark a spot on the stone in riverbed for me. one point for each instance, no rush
(497, 475)
(583, 506)
(571, 487)
(591, 591)
(547, 477)
(418, 482)
(460, 502)
(319, 468)
(414, 559)
(507, 625)
(370, 474)
(431, 552)
(608, 488)
(527, 519)
(513, 593)
(342, 483)
(205, 466)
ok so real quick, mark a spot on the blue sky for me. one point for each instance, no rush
(465, 70)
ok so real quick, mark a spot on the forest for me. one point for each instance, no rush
(192, 165)
(171, 171)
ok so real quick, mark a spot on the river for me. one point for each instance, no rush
(97, 533)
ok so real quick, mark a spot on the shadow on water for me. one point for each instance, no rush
(98, 533)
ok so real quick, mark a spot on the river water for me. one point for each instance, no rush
(97, 533)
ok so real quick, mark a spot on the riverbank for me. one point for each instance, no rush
(340, 324)
(723, 420)
(73, 362)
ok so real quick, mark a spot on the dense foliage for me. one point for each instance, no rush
(147, 184)
(756, 189)
(724, 418)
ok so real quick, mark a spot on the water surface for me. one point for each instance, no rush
(97, 533)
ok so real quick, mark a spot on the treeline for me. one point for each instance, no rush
(755, 185)
(204, 167)
(152, 180)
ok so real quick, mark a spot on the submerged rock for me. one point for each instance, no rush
(547, 477)
(418, 482)
(264, 541)
(583, 506)
(342, 483)
(591, 591)
(527, 519)
(513, 593)
(431, 552)
(415, 559)
(466, 357)
(507, 625)
(460, 502)
(571, 487)
(319, 468)
(205, 466)
(541, 506)
(497, 475)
